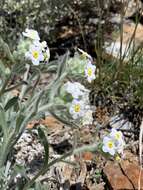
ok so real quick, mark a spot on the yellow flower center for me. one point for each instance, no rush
(46, 56)
(77, 108)
(89, 71)
(110, 144)
(117, 136)
(35, 54)
(117, 158)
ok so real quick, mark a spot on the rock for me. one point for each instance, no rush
(83, 172)
(128, 31)
(129, 28)
(63, 172)
(124, 175)
(119, 122)
(50, 122)
(115, 19)
(131, 157)
(132, 171)
(96, 186)
(87, 156)
(116, 179)
(28, 148)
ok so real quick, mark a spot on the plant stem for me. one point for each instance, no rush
(25, 79)
(45, 107)
(92, 148)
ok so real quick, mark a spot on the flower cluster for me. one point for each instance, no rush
(38, 51)
(79, 107)
(76, 89)
(82, 64)
(113, 143)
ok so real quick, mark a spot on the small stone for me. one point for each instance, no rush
(52, 124)
(94, 21)
(116, 179)
(124, 175)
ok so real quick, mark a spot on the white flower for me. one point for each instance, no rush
(44, 45)
(90, 72)
(88, 118)
(33, 34)
(117, 136)
(109, 146)
(75, 89)
(120, 147)
(47, 54)
(44, 49)
(114, 141)
(35, 55)
(77, 109)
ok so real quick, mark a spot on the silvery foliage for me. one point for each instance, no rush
(22, 100)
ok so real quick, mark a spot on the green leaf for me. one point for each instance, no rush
(12, 102)
(62, 65)
(2, 69)
(18, 69)
(19, 121)
(39, 186)
(6, 50)
(3, 122)
(18, 169)
(45, 143)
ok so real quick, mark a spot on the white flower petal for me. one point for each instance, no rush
(44, 44)
(90, 72)
(104, 148)
(75, 89)
(33, 34)
(35, 54)
(106, 140)
(35, 62)
(112, 152)
(76, 109)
